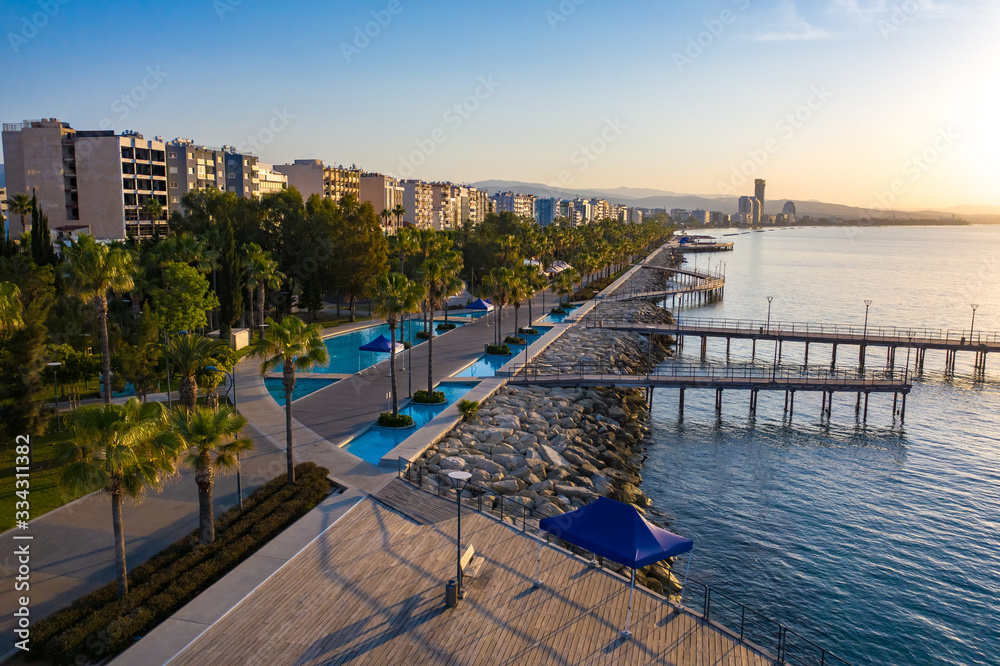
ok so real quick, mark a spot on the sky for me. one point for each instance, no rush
(873, 103)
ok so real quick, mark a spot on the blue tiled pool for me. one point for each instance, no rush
(376, 442)
(472, 314)
(487, 365)
(346, 358)
(303, 387)
(554, 318)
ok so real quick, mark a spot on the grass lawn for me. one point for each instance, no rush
(44, 491)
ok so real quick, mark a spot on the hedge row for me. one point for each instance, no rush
(97, 626)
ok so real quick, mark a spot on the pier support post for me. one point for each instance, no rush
(833, 358)
(902, 410)
(728, 341)
(861, 355)
(895, 399)
(786, 402)
(680, 404)
(704, 346)
(829, 405)
(791, 404)
(857, 406)
(718, 400)
(822, 407)
(753, 350)
(753, 401)
(865, 417)
(807, 355)
(780, 344)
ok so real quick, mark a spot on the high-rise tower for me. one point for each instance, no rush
(758, 192)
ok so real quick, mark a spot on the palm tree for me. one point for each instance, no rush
(408, 242)
(122, 450)
(506, 243)
(292, 345)
(385, 215)
(399, 212)
(96, 269)
(564, 283)
(392, 296)
(439, 276)
(497, 285)
(10, 308)
(262, 274)
(20, 205)
(212, 441)
(190, 354)
(152, 208)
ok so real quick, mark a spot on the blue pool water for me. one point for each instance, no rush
(473, 314)
(488, 364)
(303, 387)
(555, 318)
(376, 442)
(345, 358)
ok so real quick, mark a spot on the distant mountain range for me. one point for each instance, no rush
(650, 198)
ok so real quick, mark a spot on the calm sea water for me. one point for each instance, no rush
(879, 541)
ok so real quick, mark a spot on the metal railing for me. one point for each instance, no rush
(601, 371)
(743, 622)
(856, 332)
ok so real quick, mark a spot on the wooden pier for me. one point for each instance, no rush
(919, 340)
(748, 378)
(693, 288)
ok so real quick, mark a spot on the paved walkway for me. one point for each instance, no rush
(72, 550)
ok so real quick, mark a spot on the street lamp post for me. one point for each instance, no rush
(55, 387)
(975, 306)
(774, 366)
(768, 326)
(459, 480)
(232, 382)
(864, 334)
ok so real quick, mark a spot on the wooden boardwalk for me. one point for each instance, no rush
(420, 506)
(371, 591)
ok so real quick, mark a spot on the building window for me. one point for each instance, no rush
(127, 153)
(173, 185)
(173, 169)
(173, 155)
(128, 183)
(232, 176)
(128, 167)
(190, 171)
(174, 200)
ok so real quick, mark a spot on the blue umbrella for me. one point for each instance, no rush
(479, 304)
(381, 344)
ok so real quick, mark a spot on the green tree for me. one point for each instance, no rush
(497, 285)
(392, 296)
(95, 270)
(437, 274)
(41, 238)
(291, 345)
(361, 250)
(564, 283)
(262, 274)
(10, 309)
(212, 441)
(137, 364)
(190, 354)
(230, 281)
(399, 212)
(20, 205)
(120, 449)
(184, 300)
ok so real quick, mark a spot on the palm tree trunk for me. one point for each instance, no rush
(206, 520)
(260, 312)
(289, 382)
(392, 368)
(188, 392)
(430, 364)
(101, 304)
(517, 329)
(121, 575)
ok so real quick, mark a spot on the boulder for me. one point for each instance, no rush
(501, 449)
(511, 462)
(548, 510)
(550, 456)
(489, 466)
(575, 492)
(452, 462)
(506, 487)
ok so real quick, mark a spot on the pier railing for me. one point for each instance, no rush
(746, 624)
(607, 370)
(853, 332)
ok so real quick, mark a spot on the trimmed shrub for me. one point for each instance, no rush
(557, 310)
(387, 420)
(514, 340)
(421, 335)
(96, 626)
(528, 331)
(446, 326)
(423, 397)
(498, 350)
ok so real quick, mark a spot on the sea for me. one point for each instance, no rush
(877, 540)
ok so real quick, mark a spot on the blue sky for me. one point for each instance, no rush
(876, 103)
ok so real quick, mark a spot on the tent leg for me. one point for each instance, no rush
(538, 561)
(685, 583)
(628, 618)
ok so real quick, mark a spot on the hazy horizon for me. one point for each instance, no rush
(874, 104)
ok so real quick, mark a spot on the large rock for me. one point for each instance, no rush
(575, 492)
(452, 462)
(548, 510)
(489, 466)
(506, 487)
(550, 456)
(511, 462)
(501, 449)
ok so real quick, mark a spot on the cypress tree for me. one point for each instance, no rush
(230, 280)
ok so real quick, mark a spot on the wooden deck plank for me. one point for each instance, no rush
(371, 591)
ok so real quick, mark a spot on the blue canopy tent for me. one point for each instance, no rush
(618, 532)
(479, 304)
(380, 344)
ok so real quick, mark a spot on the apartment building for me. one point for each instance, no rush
(96, 179)
(522, 205)
(418, 200)
(383, 193)
(546, 211)
(444, 207)
(3, 211)
(269, 181)
(311, 177)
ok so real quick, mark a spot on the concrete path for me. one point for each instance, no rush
(72, 549)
